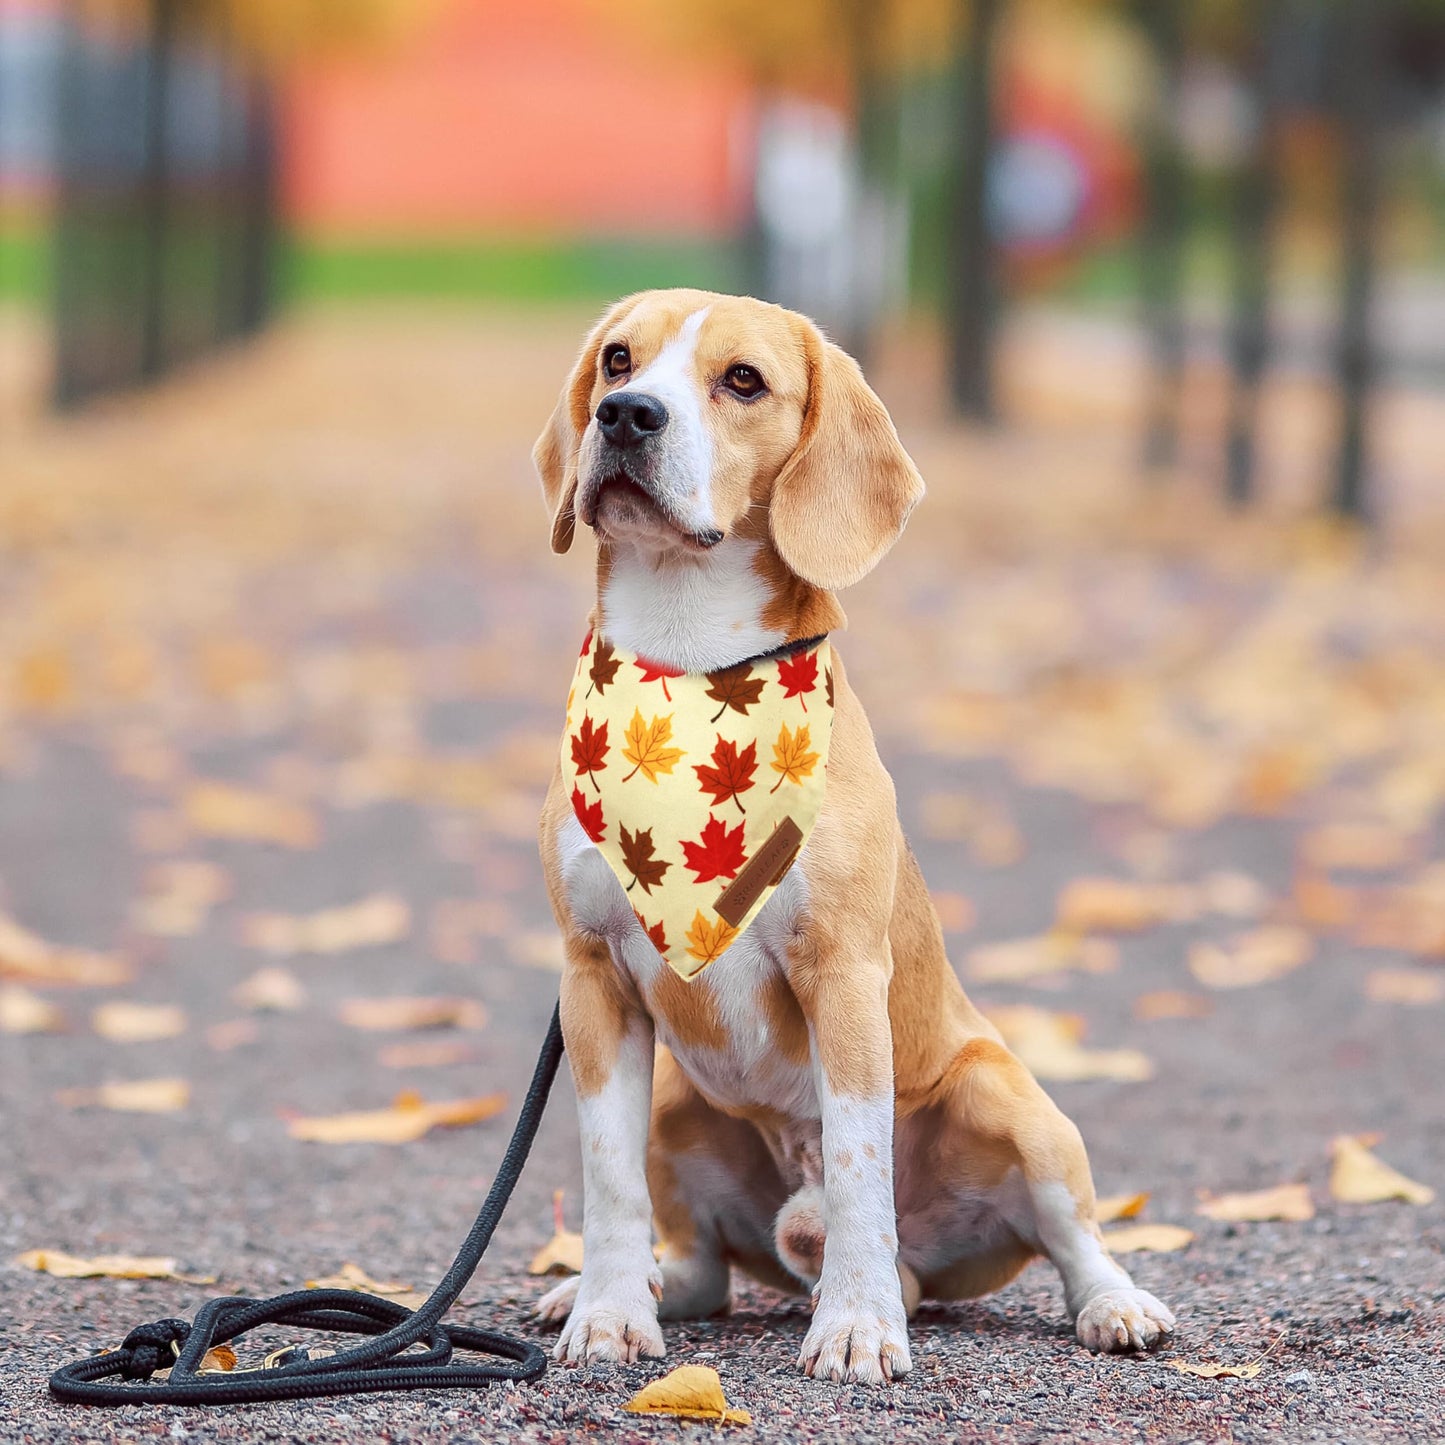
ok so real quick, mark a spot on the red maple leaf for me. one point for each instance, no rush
(658, 672)
(586, 643)
(589, 815)
(718, 853)
(730, 773)
(655, 935)
(589, 749)
(798, 675)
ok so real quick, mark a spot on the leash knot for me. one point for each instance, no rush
(148, 1347)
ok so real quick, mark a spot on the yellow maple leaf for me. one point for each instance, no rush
(1154, 1238)
(690, 1392)
(562, 1254)
(1358, 1176)
(791, 759)
(705, 941)
(108, 1266)
(408, 1118)
(1284, 1201)
(647, 746)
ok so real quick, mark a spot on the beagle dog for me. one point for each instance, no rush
(821, 1106)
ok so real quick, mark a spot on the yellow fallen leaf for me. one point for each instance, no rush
(562, 1254)
(353, 1277)
(27, 956)
(1048, 1044)
(407, 1119)
(1404, 985)
(1107, 905)
(1154, 1238)
(1040, 956)
(1284, 1201)
(426, 1054)
(1119, 1206)
(224, 810)
(124, 1022)
(179, 895)
(379, 1014)
(1362, 847)
(1216, 1372)
(380, 919)
(1172, 1004)
(270, 990)
(131, 1096)
(23, 1012)
(107, 1266)
(219, 1359)
(1357, 1176)
(690, 1392)
(1253, 958)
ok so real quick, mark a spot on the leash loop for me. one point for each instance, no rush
(403, 1349)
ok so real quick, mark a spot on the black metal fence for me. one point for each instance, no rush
(166, 196)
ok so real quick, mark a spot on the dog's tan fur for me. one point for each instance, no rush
(758, 1165)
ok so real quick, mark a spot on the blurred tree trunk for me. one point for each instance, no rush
(1257, 192)
(1360, 71)
(970, 258)
(1161, 260)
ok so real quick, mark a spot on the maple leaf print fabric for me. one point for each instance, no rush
(679, 779)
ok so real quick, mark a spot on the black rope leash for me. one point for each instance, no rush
(386, 1362)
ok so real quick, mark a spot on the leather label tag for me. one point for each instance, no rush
(765, 869)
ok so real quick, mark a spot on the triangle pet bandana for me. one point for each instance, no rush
(698, 789)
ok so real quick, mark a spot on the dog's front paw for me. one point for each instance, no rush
(617, 1322)
(856, 1346)
(1124, 1319)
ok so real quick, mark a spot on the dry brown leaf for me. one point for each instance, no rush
(270, 990)
(1357, 1176)
(1404, 985)
(123, 1022)
(1107, 905)
(408, 1118)
(27, 956)
(1360, 847)
(218, 1360)
(107, 1266)
(1119, 1206)
(1154, 1238)
(1172, 1003)
(353, 1277)
(1041, 956)
(1290, 1202)
(380, 1014)
(562, 1254)
(380, 919)
(1048, 1043)
(1260, 956)
(131, 1096)
(426, 1054)
(179, 895)
(690, 1392)
(224, 810)
(1319, 902)
(1216, 1372)
(23, 1012)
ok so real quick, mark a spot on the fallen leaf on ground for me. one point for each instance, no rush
(1172, 1004)
(562, 1254)
(1361, 847)
(1283, 1201)
(1049, 1044)
(224, 810)
(1404, 985)
(27, 956)
(379, 1014)
(179, 895)
(23, 1012)
(426, 1054)
(107, 1266)
(1216, 1372)
(690, 1392)
(1040, 956)
(409, 1117)
(1119, 1206)
(1154, 1238)
(1358, 1176)
(232, 1034)
(123, 1022)
(270, 990)
(382, 918)
(218, 1360)
(991, 836)
(956, 914)
(131, 1096)
(1107, 905)
(1253, 958)
(353, 1277)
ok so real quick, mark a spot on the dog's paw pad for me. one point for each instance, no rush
(1120, 1320)
(860, 1350)
(620, 1332)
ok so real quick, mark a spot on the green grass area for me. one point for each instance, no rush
(24, 262)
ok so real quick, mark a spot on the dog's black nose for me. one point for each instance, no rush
(628, 418)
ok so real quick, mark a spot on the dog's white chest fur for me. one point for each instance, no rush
(741, 1065)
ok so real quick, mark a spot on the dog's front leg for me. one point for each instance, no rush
(859, 1330)
(610, 1046)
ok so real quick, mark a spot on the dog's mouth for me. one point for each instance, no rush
(619, 507)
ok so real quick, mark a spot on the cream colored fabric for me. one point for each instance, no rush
(680, 779)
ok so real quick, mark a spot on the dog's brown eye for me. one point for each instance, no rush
(616, 360)
(745, 381)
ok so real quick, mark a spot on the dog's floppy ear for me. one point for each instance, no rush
(843, 496)
(555, 454)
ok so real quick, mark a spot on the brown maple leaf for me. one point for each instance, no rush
(730, 773)
(589, 749)
(828, 685)
(736, 688)
(637, 854)
(604, 668)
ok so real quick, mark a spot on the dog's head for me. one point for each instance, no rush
(691, 415)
